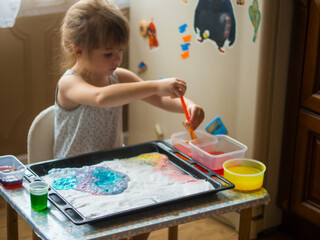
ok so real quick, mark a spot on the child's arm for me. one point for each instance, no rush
(196, 114)
(174, 105)
(167, 103)
(73, 91)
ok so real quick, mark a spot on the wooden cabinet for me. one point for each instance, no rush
(305, 198)
(310, 91)
(299, 192)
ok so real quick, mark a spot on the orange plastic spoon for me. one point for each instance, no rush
(192, 135)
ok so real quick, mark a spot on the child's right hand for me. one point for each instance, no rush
(172, 87)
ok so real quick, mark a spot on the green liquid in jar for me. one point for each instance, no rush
(39, 202)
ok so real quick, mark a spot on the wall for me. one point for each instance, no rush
(245, 86)
(211, 83)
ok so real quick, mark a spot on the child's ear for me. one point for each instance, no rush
(77, 51)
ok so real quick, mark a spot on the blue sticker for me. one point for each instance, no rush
(216, 126)
(185, 46)
(182, 28)
(142, 65)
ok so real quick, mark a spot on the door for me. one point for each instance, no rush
(29, 71)
(299, 192)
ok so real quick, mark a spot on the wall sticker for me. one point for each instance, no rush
(215, 21)
(255, 17)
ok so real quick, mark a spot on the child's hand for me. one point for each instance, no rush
(196, 115)
(172, 87)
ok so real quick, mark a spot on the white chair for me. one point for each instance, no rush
(41, 136)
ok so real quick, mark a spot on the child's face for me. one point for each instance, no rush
(104, 61)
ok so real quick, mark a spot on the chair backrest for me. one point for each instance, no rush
(41, 136)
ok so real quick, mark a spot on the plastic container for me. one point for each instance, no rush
(214, 150)
(180, 140)
(38, 195)
(245, 174)
(11, 172)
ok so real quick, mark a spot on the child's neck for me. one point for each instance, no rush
(89, 76)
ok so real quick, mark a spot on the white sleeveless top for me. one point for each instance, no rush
(86, 128)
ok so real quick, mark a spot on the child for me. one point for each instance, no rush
(90, 95)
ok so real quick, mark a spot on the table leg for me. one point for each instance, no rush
(142, 236)
(173, 233)
(35, 236)
(12, 223)
(245, 224)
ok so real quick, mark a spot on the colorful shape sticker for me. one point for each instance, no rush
(186, 42)
(185, 55)
(142, 67)
(185, 46)
(182, 28)
(255, 17)
(186, 38)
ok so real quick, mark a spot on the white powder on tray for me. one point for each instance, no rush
(151, 181)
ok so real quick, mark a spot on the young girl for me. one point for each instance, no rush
(91, 93)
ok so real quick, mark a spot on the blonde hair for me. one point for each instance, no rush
(91, 24)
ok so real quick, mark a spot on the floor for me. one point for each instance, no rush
(205, 229)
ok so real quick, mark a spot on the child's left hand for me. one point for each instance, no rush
(196, 115)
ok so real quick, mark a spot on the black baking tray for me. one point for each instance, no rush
(188, 165)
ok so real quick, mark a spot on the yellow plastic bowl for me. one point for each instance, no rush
(245, 174)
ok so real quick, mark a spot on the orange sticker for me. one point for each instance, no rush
(152, 34)
(185, 55)
(187, 38)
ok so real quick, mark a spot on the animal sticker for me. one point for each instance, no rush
(240, 2)
(214, 20)
(152, 35)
